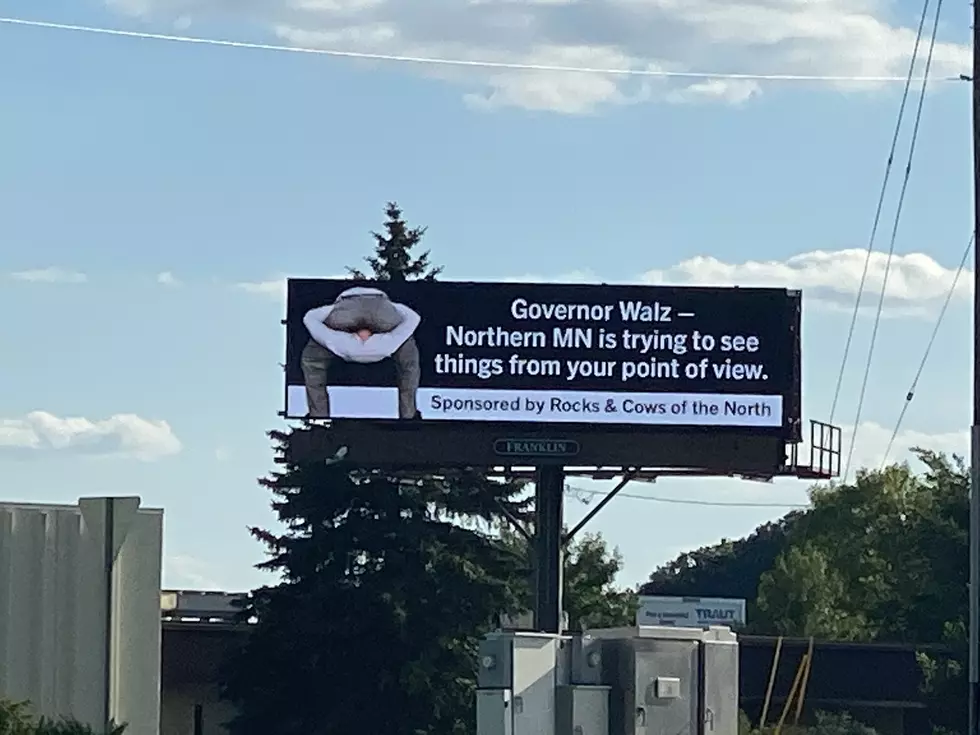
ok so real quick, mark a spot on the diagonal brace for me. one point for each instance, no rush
(514, 521)
(627, 478)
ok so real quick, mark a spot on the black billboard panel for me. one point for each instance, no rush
(627, 356)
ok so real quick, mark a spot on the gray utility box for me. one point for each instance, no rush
(581, 709)
(525, 665)
(493, 712)
(616, 681)
(719, 675)
(670, 680)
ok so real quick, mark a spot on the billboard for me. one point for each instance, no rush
(643, 356)
(690, 612)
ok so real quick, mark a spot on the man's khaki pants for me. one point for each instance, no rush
(316, 360)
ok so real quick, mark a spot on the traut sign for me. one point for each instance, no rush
(690, 612)
(535, 447)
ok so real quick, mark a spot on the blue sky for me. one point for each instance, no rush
(153, 194)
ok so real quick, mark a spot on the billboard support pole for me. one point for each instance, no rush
(549, 497)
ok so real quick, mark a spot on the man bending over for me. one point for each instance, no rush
(361, 326)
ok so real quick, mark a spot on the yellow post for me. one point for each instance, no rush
(772, 681)
(797, 680)
(806, 680)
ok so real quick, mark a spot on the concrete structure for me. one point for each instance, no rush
(192, 660)
(80, 610)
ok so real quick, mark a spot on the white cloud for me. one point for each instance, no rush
(167, 279)
(915, 282)
(570, 277)
(734, 91)
(273, 288)
(122, 435)
(873, 438)
(49, 275)
(183, 572)
(817, 37)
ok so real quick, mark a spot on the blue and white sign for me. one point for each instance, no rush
(690, 612)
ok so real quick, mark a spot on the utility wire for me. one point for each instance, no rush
(894, 237)
(877, 218)
(925, 356)
(441, 61)
(684, 501)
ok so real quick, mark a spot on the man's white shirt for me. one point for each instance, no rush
(352, 348)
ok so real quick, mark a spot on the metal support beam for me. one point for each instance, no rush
(549, 498)
(627, 478)
(514, 521)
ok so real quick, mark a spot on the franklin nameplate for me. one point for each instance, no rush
(535, 447)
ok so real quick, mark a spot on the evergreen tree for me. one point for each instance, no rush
(393, 259)
(388, 583)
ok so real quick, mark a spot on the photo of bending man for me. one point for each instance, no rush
(362, 326)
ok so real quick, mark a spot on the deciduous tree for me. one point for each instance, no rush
(727, 569)
(895, 546)
(883, 558)
(591, 596)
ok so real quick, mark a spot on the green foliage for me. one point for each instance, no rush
(388, 584)
(945, 687)
(885, 558)
(592, 599)
(727, 569)
(393, 259)
(590, 596)
(826, 723)
(16, 718)
(744, 724)
(384, 599)
(838, 723)
(381, 601)
(69, 726)
(803, 594)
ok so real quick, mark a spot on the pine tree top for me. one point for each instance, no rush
(393, 259)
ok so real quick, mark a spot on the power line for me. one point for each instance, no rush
(925, 356)
(894, 237)
(443, 61)
(686, 501)
(878, 209)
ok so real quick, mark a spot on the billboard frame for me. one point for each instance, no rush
(549, 452)
(790, 430)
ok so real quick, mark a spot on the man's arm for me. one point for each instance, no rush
(384, 344)
(314, 319)
(344, 345)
